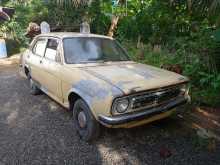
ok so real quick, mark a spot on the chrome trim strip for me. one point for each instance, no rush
(122, 119)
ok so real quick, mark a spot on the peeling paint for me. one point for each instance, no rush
(134, 77)
(92, 88)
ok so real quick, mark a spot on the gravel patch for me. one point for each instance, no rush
(35, 130)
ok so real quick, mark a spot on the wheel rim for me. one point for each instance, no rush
(82, 119)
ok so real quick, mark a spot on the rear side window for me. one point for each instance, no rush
(39, 47)
(51, 49)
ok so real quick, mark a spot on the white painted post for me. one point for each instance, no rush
(3, 50)
(45, 27)
(84, 27)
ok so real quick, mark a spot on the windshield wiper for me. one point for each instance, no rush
(91, 61)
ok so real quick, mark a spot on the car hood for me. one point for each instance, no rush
(134, 77)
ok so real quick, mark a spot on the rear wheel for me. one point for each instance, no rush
(34, 89)
(84, 121)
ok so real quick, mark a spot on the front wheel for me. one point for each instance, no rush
(84, 121)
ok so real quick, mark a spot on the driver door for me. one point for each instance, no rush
(51, 67)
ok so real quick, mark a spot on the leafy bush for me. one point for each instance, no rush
(182, 33)
(204, 77)
(31, 11)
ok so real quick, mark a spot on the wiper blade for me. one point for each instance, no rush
(97, 61)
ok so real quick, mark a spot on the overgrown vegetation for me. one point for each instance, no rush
(155, 32)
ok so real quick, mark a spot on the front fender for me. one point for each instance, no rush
(84, 96)
(97, 95)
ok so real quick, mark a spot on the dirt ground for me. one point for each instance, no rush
(36, 130)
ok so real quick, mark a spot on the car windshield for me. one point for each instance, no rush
(92, 49)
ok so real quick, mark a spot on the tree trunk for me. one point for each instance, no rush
(140, 46)
(113, 26)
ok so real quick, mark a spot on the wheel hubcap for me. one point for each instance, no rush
(82, 119)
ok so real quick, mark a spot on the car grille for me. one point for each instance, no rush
(150, 99)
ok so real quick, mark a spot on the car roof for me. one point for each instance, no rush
(71, 34)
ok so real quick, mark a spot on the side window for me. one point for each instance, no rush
(51, 49)
(39, 47)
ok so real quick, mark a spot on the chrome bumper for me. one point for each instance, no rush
(144, 114)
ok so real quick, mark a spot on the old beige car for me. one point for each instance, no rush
(93, 77)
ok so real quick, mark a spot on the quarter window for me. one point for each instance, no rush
(39, 47)
(51, 49)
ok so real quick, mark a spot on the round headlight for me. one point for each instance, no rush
(122, 105)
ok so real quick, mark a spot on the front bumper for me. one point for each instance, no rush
(142, 115)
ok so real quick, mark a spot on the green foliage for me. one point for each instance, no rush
(99, 21)
(196, 64)
(183, 30)
(197, 53)
(26, 12)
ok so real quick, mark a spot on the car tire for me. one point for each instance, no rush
(34, 89)
(85, 123)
